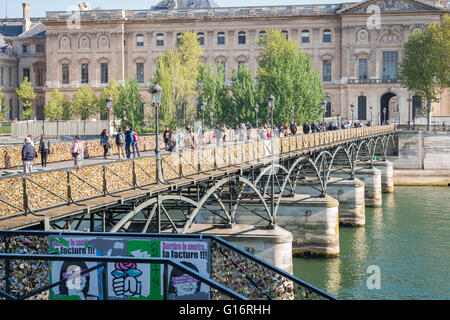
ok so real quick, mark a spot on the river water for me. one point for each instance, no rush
(405, 245)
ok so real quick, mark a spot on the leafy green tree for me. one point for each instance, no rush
(84, 102)
(212, 90)
(288, 73)
(245, 94)
(113, 91)
(177, 73)
(4, 106)
(27, 94)
(425, 68)
(56, 107)
(130, 107)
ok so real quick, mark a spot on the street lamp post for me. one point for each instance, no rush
(109, 104)
(292, 113)
(324, 109)
(256, 121)
(156, 92)
(371, 117)
(271, 104)
(352, 106)
(203, 107)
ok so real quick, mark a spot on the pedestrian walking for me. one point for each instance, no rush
(120, 143)
(128, 141)
(31, 140)
(28, 155)
(105, 141)
(44, 150)
(77, 151)
(217, 135)
(167, 134)
(135, 143)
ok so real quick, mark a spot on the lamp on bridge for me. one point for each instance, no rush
(352, 106)
(371, 118)
(256, 121)
(324, 110)
(109, 104)
(156, 92)
(292, 113)
(271, 106)
(203, 108)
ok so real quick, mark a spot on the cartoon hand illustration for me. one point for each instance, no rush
(125, 282)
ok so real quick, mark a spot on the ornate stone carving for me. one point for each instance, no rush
(84, 42)
(103, 42)
(64, 43)
(391, 6)
(390, 38)
(363, 36)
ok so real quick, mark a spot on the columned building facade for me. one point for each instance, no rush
(356, 46)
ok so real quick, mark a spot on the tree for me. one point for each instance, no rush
(425, 68)
(27, 94)
(245, 94)
(113, 91)
(177, 73)
(4, 106)
(130, 107)
(84, 102)
(288, 73)
(57, 106)
(212, 90)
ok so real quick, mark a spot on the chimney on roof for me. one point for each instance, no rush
(26, 22)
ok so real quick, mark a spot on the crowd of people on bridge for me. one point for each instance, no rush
(127, 140)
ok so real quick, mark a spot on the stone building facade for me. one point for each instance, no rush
(356, 46)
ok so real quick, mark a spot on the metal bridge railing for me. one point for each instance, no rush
(30, 193)
(235, 273)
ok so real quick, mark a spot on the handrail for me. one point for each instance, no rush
(165, 261)
(212, 237)
(188, 160)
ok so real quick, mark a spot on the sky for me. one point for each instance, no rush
(39, 7)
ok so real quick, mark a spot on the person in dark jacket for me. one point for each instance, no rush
(128, 141)
(28, 155)
(167, 135)
(306, 128)
(120, 142)
(44, 149)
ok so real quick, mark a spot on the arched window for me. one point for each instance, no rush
(140, 40)
(262, 33)
(160, 40)
(286, 34)
(362, 108)
(222, 63)
(305, 36)
(221, 38)
(201, 38)
(327, 35)
(241, 37)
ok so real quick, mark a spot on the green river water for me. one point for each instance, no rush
(408, 239)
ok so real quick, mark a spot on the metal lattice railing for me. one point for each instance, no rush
(31, 193)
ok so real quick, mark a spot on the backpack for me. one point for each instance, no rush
(120, 138)
(135, 137)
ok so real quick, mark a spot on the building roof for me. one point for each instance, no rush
(184, 4)
(8, 30)
(37, 31)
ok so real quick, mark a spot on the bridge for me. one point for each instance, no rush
(147, 195)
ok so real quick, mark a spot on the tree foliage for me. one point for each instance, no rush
(425, 68)
(177, 73)
(57, 107)
(84, 102)
(27, 94)
(245, 94)
(130, 107)
(4, 106)
(113, 91)
(288, 73)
